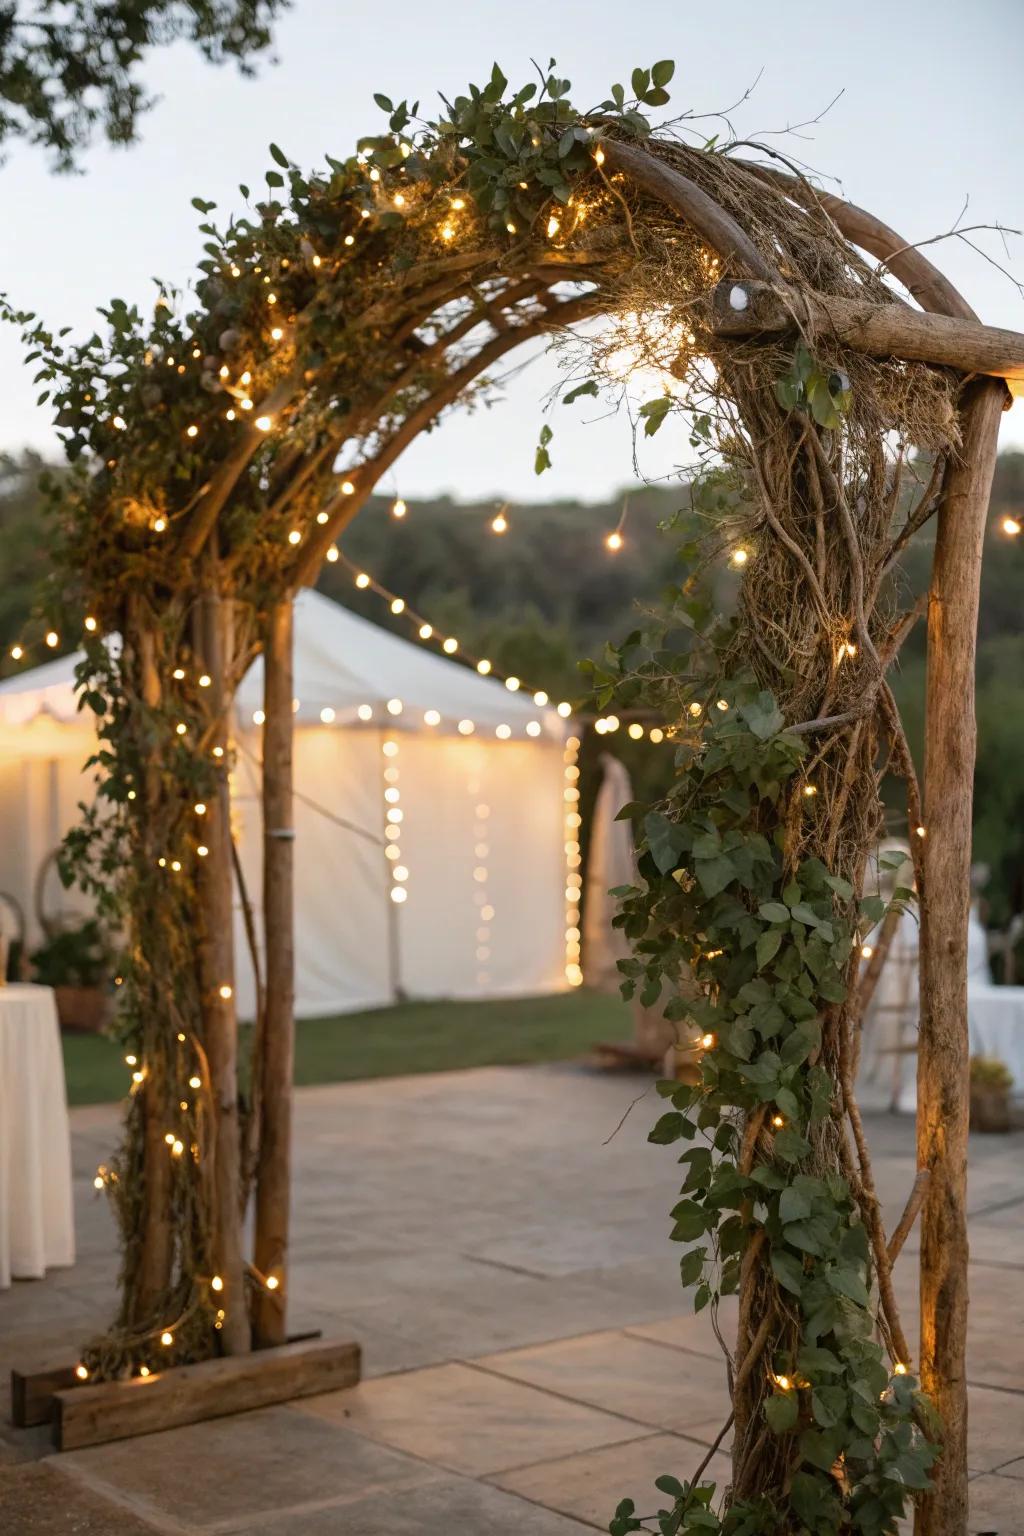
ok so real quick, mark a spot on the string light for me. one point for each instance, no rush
(398, 507)
(398, 605)
(866, 951)
(540, 698)
(657, 734)
(425, 631)
(90, 624)
(17, 652)
(614, 541)
(295, 537)
(362, 580)
(564, 709)
(707, 1042)
(599, 156)
(159, 525)
(739, 557)
(499, 523)
(192, 431)
(899, 1369)
(810, 790)
(263, 423)
(272, 1282)
(636, 731)
(783, 1383)
(365, 712)
(483, 667)
(573, 881)
(167, 1338)
(347, 488)
(143, 1371)
(200, 808)
(225, 991)
(216, 1284)
(450, 646)
(919, 831)
(333, 554)
(1011, 526)
(82, 1372)
(52, 639)
(512, 684)
(466, 727)
(778, 1122)
(431, 717)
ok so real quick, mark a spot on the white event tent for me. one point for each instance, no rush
(430, 816)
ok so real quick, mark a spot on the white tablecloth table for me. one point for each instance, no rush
(996, 1020)
(36, 1215)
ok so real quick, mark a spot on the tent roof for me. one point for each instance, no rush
(342, 663)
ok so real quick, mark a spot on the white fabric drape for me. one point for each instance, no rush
(36, 1219)
(611, 862)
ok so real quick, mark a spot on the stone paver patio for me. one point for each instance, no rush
(528, 1354)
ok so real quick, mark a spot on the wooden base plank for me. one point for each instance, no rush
(188, 1394)
(32, 1394)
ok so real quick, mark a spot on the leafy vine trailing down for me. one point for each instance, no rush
(337, 320)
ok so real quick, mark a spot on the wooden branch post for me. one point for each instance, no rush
(943, 1078)
(217, 980)
(273, 1173)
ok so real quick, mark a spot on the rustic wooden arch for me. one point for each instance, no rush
(519, 292)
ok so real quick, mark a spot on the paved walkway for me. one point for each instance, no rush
(529, 1356)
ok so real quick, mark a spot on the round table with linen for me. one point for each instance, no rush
(36, 1216)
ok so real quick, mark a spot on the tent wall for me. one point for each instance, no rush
(40, 790)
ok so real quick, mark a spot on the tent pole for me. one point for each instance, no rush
(943, 1075)
(273, 1171)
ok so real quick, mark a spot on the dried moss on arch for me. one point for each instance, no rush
(226, 443)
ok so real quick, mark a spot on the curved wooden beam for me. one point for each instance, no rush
(683, 196)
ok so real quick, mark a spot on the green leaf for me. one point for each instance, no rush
(278, 155)
(767, 947)
(788, 1270)
(665, 839)
(782, 1410)
(663, 71)
(669, 1128)
(714, 874)
(794, 1205)
(670, 1485)
(274, 179)
(589, 388)
(846, 1282)
(773, 912)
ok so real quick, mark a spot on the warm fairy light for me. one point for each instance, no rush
(657, 734)
(347, 488)
(722, 704)
(503, 732)
(177, 1148)
(398, 605)
(458, 203)
(225, 991)
(216, 1284)
(276, 333)
(919, 831)
(450, 646)
(447, 232)
(431, 717)
(120, 423)
(395, 706)
(17, 652)
(483, 666)
(636, 731)
(170, 1138)
(398, 507)
(739, 557)
(362, 580)
(810, 790)
(399, 894)
(512, 684)
(1011, 526)
(99, 1182)
(143, 1370)
(272, 1282)
(218, 752)
(327, 715)
(137, 1076)
(271, 298)
(90, 624)
(295, 537)
(783, 1383)
(159, 524)
(540, 698)
(81, 1372)
(511, 228)
(229, 415)
(246, 403)
(52, 639)
(200, 808)
(565, 709)
(333, 553)
(466, 727)
(425, 631)
(258, 717)
(778, 1122)
(899, 1369)
(707, 1042)
(533, 728)
(195, 1082)
(322, 517)
(599, 156)
(866, 951)
(499, 523)
(167, 1338)
(181, 728)
(176, 866)
(205, 680)
(224, 371)
(192, 431)
(614, 541)
(554, 225)
(390, 749)
(365, 711)
(202, 850)
(263, 423)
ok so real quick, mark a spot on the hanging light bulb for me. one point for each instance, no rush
(398, 507)
(450, 646)
(483, 667)
(499, 523)
(614, 541)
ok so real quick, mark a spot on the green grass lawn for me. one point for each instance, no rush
(387, 1042)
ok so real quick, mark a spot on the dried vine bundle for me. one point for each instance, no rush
(225, 444)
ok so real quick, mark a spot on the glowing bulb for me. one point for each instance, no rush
(195, 1082)
(143, 1370)
(181, 728)
(1011, 526)
(466, 727)
(398, 507)
(276, 333)
(450, 646)
(137, 1077)
(400, 872)
(425, 631)
(431, 717)
(565, 709)
(205, 680)
(295, 537)
(399, 894)
(216, 1284)
(707, 1042)
(867, 951)
(512, 684)
(81, 1372)
(739, 557)
(778, 1122)
(272, 1282)
(167, 1338)
(533, 728)
(540, 698)
(119, 421)
(159, 524)
(458, 203)
(90, 624)
(919, 831)
(390, 749)
(503, 732)
(192, 431)
(246, 404)
(333, 553)
(394, 706)
(511, 228)
(447, 232)
(722, 704)
(17, 652)
(899, 1369)
(783, 1382)
(225, 991)
(258, 717)
(52, 639)
(362, 580)
(554, 225)
(349, 240)
(365, 711)
(347, 488)
(810, 790)
(263, 423)
(636, 731)
(599, 156)
(398, 605)
(202, 850)
(614, 541)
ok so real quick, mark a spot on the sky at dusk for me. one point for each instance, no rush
(931, 113)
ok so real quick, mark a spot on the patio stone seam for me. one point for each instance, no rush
(230, 1524)
(552, 1461)
(581, 1403)
(680, 1349)
(119, 1499)
(994, 1386)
